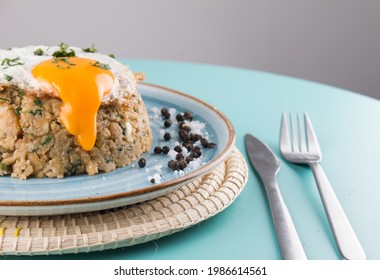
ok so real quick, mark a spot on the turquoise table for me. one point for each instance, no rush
(348, 128)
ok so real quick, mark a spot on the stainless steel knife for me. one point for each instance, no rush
(267, 166)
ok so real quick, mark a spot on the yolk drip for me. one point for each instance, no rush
(81, 83)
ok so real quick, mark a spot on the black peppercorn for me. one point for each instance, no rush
(189, 158)
(174, 165)
(196, 149)
(182, 164)
(165, 113)
(157, 150)
(167, 123)
(165, 150)
(178, 149)
(183, 135)
(142, 162)
(196, 154)
(195, 137)
(188, 116)
(171, 164)
(179, 156)
(179, 118)
(167, 136)
(204, 143)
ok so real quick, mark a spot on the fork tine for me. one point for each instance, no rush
(312, 141)
(284, 136)
(293, 131)
(301, 133)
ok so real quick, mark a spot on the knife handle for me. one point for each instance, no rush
(288, 240)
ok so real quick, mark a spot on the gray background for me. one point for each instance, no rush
(335, 42)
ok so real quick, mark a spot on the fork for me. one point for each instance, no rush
(307, 151)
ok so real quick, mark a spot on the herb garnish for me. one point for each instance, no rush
(5, 167)
(112, 55)
(4, 99)
(90, 50)
(8, 77)
(37, 102)
(63, 59)
(39, 52)
(64, 51)
(20, 93)
(18, 111)
(11, 61)
(101, 65)
(74, 166)
(36, 112)
(47, 140)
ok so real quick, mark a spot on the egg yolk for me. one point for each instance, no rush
(81, 83)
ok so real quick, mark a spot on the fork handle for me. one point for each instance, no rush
(347, 242)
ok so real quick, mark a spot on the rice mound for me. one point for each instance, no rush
(35, 143)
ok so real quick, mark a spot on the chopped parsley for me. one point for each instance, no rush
(74, 166)
(39, 51)
(63, 59)
(112, 55)
(64, 51)
(20, 93)
(47, 140)
(37, 102)
(8, 77)
(11, 62)
(92, 49)
(36, 112)
(101, 65)
(4, 99)
(18, 111)
(5, 167)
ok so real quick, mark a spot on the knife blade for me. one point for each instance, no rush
(267, 166)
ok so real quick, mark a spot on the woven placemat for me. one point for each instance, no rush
(129, 225)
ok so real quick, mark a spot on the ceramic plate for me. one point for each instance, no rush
(131, 184)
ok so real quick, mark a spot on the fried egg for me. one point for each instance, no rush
(82, 78)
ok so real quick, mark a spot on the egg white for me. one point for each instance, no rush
(124, 80)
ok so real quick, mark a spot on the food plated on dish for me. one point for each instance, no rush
(67, 113)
